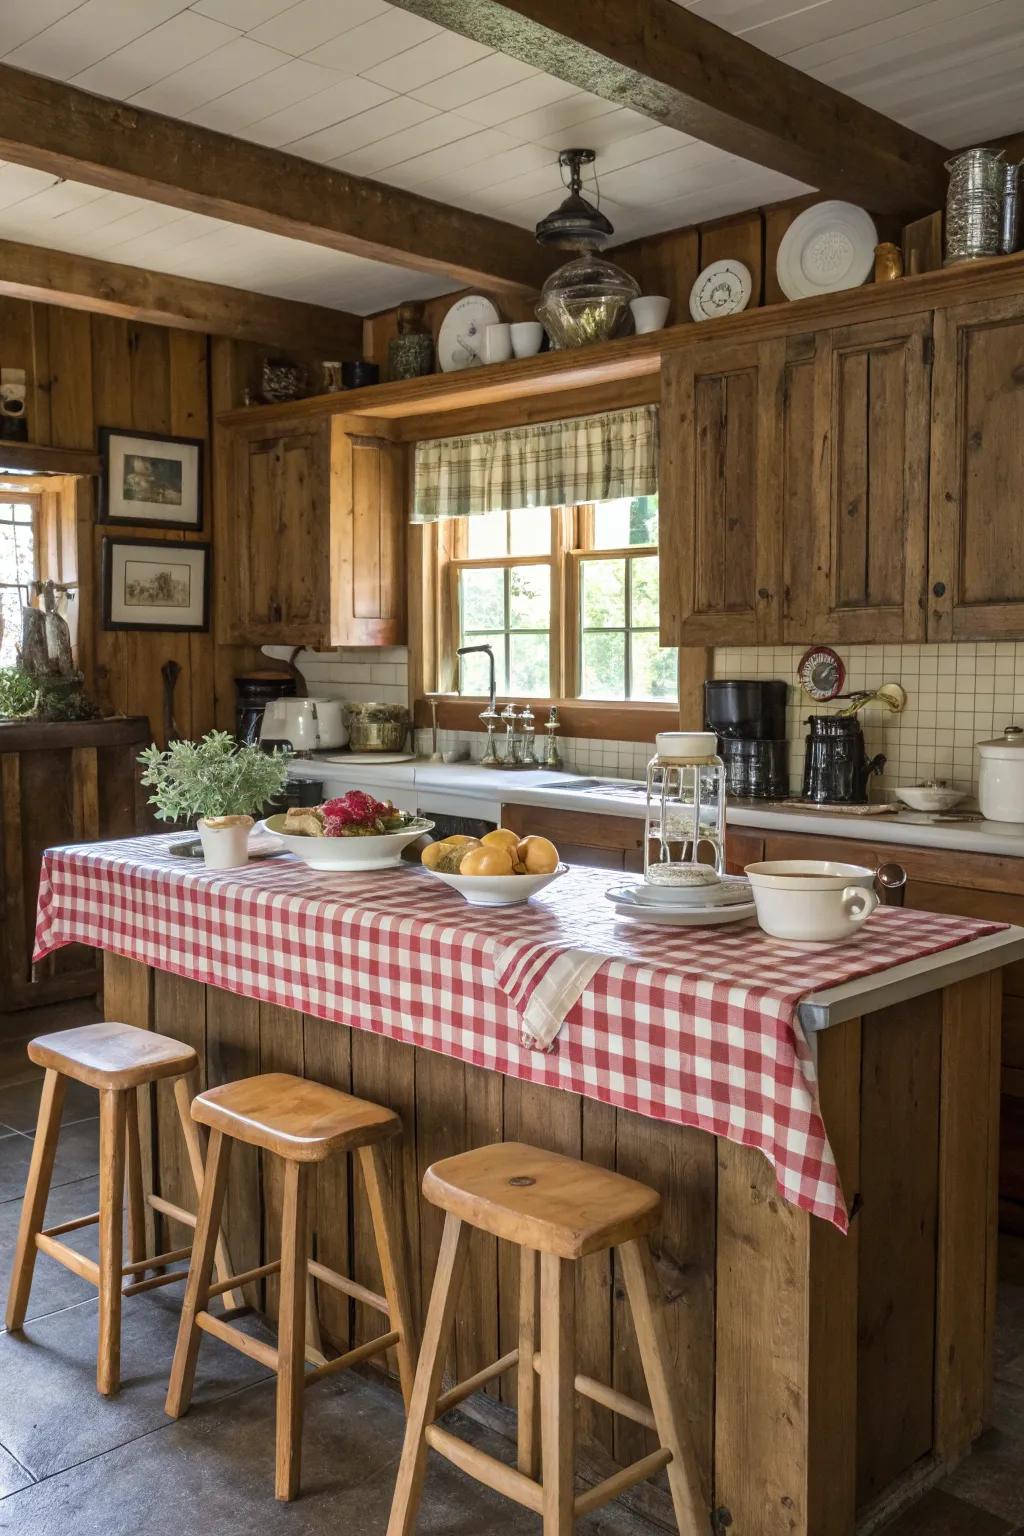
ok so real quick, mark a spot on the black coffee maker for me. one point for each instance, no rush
(253, 692)
(749, 718)
(836, 764)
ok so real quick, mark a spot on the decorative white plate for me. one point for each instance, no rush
(723, 288)
(680, 917)
(462, 332)
(828, 247)
(725, 892)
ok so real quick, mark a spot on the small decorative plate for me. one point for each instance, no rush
(626, 905)
(723, 288)
(462, 332)
(821, 673)
(828, 247)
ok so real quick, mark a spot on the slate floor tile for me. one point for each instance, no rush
(15, 1155)
(941, 1514)
(19, 1104)
(53, 1286)
(12, 1476)
(992, 1476)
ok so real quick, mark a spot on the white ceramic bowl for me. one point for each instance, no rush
(349, 854)
(812, 901)
(497, 890)
(929, 797)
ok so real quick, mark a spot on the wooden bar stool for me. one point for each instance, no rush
(116, 1059)
(303, 1123)
(562, 1209)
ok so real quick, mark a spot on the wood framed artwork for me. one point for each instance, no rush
(150, 479)
(155, 584)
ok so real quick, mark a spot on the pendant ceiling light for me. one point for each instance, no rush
(575, 225)
(587, 299)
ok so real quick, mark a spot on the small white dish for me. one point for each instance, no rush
(828, 247)
(723, 288)
(527, 337)
(650, 312)
(460, 339)
(347, 855)
(711, 916)
(498, 890)
(812, 901)
(929, 797)
(720, 893)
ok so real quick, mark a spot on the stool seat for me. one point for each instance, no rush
(542, 1200)
(111, 1055)
(295, 1118)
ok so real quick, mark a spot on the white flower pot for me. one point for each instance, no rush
(225, 840)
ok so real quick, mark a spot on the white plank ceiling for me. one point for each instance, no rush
(369, 89)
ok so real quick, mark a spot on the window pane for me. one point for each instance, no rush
(529, 666)
(530, 597)
(17, 566)
(22, 512)
(626, 521)
(603, 598)
(10, 617)
(482, 599)
(645, 592)
(604, 665)
(475, 671)
(487, 535)
(654, 667)
(530, 531)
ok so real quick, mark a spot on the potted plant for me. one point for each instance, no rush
(218, 783)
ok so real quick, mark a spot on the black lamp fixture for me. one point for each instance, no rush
(575, 225)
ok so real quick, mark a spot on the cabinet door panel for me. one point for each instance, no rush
(720, 521)
(367, 538)
(976, 556)
(804, 491)
(876, 520)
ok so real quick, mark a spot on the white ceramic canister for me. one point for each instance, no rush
(225, 840)
(1001, 779)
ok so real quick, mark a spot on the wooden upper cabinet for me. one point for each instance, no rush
(976, 528)
(719, 495)
(367, 537)
(873, 401)
(803, 448)
(315, 523)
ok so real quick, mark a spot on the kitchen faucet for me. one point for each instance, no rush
(519, 746)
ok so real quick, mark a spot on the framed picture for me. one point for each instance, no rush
(151, 480)
(154, 584)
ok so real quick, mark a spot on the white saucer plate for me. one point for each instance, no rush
(682, 917)
(828, 247)
(727, 891)
(723, 288)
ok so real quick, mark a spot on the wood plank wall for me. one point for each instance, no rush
(87, 371)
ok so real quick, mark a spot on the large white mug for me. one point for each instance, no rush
(497, 343)
(649, 312)
(812, 901)
(527, 336)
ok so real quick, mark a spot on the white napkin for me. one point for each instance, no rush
(544, 986)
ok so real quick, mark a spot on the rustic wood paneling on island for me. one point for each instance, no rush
(817, 1379)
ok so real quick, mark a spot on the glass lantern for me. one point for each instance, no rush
(686, 787)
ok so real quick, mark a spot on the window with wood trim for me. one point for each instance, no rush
(19, 567)
(567, 598)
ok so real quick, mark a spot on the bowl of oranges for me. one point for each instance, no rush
(500, 869)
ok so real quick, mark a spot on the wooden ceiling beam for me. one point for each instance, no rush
(677, 68)
(135, 293)
(72, 133)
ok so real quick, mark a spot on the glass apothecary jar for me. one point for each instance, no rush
(686, 788)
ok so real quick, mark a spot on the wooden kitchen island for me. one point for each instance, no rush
(825, 1377)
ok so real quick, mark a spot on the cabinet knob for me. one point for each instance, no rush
(939, 589)
(763, 593)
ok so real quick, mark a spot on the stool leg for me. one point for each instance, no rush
(37, 1188)
(197, 1286)
(526, 1381)
(375, 1177)
(135, 1194)
(645, 1303)
(451, 1263)
(185, 1090)
(557, 1391)
(112, 1149)
(291, 1336)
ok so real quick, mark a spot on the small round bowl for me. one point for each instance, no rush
(498, 890)
(347, 855)
(929, 797)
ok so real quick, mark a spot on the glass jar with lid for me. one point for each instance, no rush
(686, 789)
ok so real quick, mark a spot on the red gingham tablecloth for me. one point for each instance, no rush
(691, 1025)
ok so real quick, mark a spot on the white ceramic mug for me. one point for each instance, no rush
(497, 343)
(527, 336)
(649, 312)
(812, 901)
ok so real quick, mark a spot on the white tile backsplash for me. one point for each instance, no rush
(378, 674)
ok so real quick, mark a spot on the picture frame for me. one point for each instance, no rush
(155, 584)
(151, 479)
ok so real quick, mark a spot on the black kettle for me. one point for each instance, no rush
(836, 765)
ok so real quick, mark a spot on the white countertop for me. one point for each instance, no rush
(485, 789)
